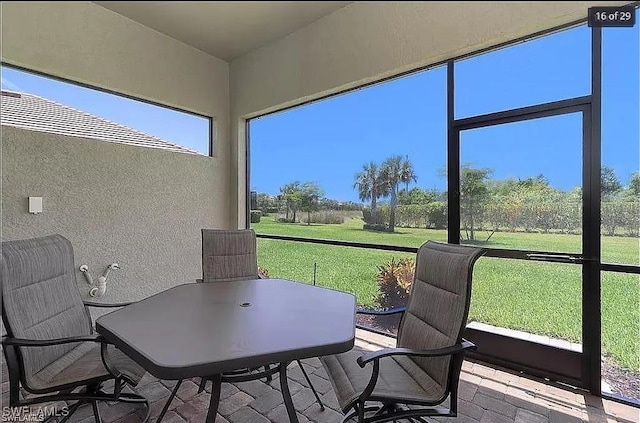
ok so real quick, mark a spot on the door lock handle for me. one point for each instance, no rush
(555, 258)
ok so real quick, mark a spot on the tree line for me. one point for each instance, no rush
(523, 204)
(529, 204)
(300, 196)
(533, 204)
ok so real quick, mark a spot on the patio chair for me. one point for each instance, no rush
(51, 350)
(414, 379)
(231, 255)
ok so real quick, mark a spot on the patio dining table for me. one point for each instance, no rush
(208, 329)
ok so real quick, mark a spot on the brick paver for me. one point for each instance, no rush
(487, 395)
(526, 416)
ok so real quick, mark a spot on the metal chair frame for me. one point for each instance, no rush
(91, 389)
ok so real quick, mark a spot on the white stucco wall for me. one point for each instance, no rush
(367, 41)
(87, 43)
(142, 208)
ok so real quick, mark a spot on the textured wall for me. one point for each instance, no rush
(84, 42)
(142, 208)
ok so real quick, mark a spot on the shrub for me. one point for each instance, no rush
(394, 282)
(383, 212)
(366, 215)
(263, 272)
(283, 219)
(429, 215)
(632, 218)
(329, 217)
(255, 216)
(437, 213)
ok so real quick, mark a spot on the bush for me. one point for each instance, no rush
(255, 216)
(632, 218)
(263, 272)
(282, 219)
(329, 217)
(437, 215)
(394, 282)
(366, 215)
(383, 212)
(430, 215)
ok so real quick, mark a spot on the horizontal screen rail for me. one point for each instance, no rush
(621, 268)
(490, 252)
(341, 243)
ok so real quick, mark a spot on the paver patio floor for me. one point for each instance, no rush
(487, 395)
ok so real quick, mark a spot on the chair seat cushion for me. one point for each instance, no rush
(82, 363)
(400, 379)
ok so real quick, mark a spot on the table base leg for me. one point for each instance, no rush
(313, 389)
(215, 399)
(168, 403)
(286, 394)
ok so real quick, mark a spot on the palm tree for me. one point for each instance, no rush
(395, 171)
(407, 169)
(370, 186)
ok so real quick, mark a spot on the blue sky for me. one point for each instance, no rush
(329, 141)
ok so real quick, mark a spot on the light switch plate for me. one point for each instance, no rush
(35, 205)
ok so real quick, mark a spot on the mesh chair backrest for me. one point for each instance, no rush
(438, 304)
(229, 255)
(40, 298)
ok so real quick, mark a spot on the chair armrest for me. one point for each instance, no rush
(6, 340)
(438, 352)
(106, 305)
(382, 312)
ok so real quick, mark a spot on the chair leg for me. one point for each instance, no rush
(96, 411)
(266, 369)
(361, 413)
(203, 385)
(90, 394)
(93, 389)
(72, 410)
(315, 393)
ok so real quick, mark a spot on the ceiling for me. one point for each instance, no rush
(224, 29)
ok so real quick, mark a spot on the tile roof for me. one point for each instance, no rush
(35, 113)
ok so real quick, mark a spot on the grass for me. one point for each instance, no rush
(537, 297)
(614, 249)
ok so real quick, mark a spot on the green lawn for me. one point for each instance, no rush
(615, 249)
(537, 297)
